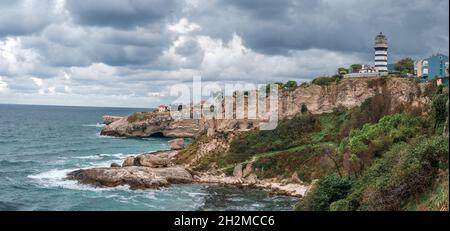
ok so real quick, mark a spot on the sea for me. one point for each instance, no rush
(39, 145)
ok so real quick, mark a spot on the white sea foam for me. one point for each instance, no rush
(93, 157)
(108, 137)
(97, 125)
(56, 179)
(118, 156)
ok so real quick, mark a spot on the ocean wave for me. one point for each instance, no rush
(56, 178)
(15, 162)
(93, 157)
(98, 135)
(115, 156)
(97, 125)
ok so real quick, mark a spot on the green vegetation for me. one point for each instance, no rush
(342, 71)
(406, 171)
(355, 67)
(141, 116)
(306, 160)
(326, 191)
(372, 140)
(290, 85)
(397, 163)
(365, 158)
(439, 111)
(288, 134)
(325, 80)
(405, 66)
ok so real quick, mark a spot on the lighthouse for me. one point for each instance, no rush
(381, 53)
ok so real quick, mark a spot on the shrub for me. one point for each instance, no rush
(308, 161)
(288, 133)
(325, 80)
(141, 116)
(290, 85)
(328, 190)
(439, 111)
(405, 171)
(340, 205)
(373, 139)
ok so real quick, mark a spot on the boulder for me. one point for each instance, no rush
(176, 144)
(134, 176)
(129, 161)
(247, 170)
(152, 161)
(115, 165)
(252, 179)
(237, 172)
(295, 179)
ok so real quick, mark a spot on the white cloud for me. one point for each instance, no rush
(51, 90)
(3, 85)
(39, 82)
(184, 26)
(66, 76)
(67, 89)
(16, 60)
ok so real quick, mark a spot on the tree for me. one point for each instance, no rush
(355, 67)
(439, 111)
(405, 66)
(280, 85)
(342, 71)
(328, 190)
(291, 85)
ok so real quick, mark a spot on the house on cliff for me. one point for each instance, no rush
(436, 66)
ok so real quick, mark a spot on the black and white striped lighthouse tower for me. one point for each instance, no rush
(381, 53)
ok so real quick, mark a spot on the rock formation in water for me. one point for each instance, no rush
(136, 177)
(150, 170)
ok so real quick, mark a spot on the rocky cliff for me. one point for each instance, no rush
(156, 123)
(398, 94)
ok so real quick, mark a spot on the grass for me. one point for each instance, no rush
(142, 116)
(308, 161)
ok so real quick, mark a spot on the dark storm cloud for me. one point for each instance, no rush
(19, 17)
(123, 48)
(119, 13)
(263, 9)
(347, 26)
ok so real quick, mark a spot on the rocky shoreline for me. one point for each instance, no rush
(157, 169)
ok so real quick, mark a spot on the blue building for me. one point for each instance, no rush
(391, 67)
(433, 67)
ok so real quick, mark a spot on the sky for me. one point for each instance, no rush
(128, 53)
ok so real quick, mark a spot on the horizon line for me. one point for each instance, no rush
(58, 105)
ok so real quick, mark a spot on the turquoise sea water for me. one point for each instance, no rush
(40, 144)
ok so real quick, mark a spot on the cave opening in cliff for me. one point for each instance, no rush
(158, 135)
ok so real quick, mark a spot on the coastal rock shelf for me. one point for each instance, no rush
(134, 176)
(150, 170)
